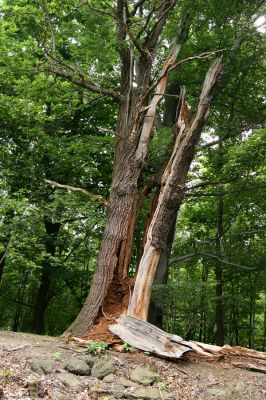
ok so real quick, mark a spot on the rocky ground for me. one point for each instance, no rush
(33, 367)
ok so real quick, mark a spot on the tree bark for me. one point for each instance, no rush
(134, 132)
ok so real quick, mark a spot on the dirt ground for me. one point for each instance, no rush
(187, 380)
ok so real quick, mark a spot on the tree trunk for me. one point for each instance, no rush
(8, 219)
(202, 327)
(155, 315)
(2, 263)
(42, 299)
(134, 132)
(172, 191)
(219, 315)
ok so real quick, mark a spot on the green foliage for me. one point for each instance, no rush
(96, 348)
(128, 347)
(51, 129)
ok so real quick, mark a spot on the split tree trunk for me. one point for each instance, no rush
(134, 132)
(172, 191)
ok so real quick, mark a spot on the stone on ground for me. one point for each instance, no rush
(109, 378)
(70, 380)
(77, 366)
(42, 366)
(58, 395)
(119, 391)
(101, 369)
(149, 394)
(127, 383)
(143, 376)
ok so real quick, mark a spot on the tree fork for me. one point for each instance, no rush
(131, 152)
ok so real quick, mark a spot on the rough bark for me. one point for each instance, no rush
(134, 132)
(172, 191)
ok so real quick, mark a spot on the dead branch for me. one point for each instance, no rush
(18, 348)
(214, 256)
(92, 196)
(85, 84)
(197, 57)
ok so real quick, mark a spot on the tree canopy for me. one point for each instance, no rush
(78, 84)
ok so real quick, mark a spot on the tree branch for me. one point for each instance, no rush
(92, 196)
(244, 189)
(84, 83)
(197, 57)
(153, 36)
(210, 255)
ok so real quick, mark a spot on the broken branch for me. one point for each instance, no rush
(92, 196)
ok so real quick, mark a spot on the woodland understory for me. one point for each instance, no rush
(132, 156)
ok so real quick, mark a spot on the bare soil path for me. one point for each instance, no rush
(181, 380)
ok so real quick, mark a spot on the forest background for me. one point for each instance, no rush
(56, 128)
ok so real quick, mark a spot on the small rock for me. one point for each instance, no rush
(61, 396)
(101, 388)
(217, 392)
(77, 366)
(109, 378)
(90, 360)
(143, 376)
(70, 381)
(127, 383)
(149, 394)
(119, 391)
(101, 369)
(42, 366)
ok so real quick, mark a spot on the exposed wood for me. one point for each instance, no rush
(133, 138)
(147, 337)
(251, 367)
(172, 188)
(242, 351)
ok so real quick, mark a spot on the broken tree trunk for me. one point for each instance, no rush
(134, 133)
(147, 337)
(172, 190)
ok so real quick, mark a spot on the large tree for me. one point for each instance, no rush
(130, 77)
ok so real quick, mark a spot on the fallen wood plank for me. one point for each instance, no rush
(242, 352)
(147, 337)
(251, 367)
(210, 348)
(205, 352)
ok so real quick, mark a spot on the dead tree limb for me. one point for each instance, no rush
(92, 196)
